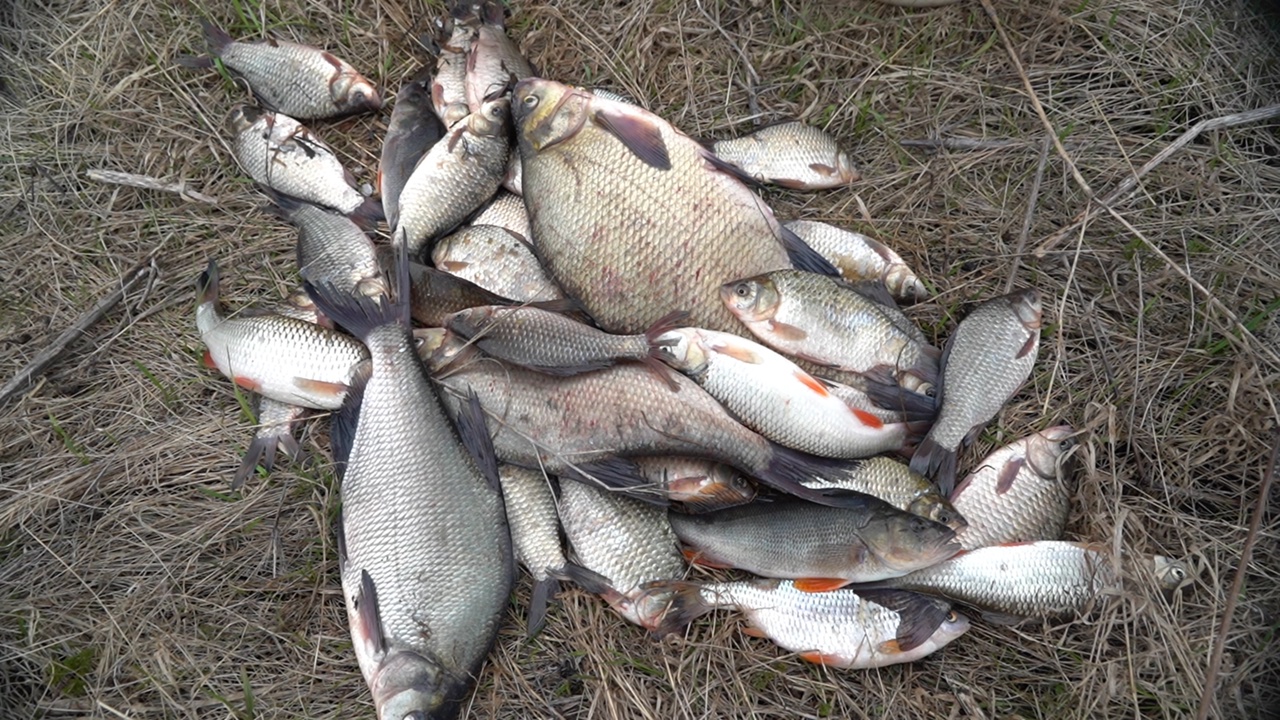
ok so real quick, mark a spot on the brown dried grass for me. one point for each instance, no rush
(135, 587)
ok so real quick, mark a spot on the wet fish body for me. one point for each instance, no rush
(333, 249)
(859, 257)
(628, 543)
(411, 133)
(417, 511)
(278, 152)
(822, 548)
(497, 260)
(696, 485)
(290, 361)
(790, 154)
(632, 217)
(298, 80)
(506, 211)
(438, 295)
(825, 321)
(841, 628)
(494, 61)
(455, 177)
(535, 534)
(894, 483)
(988, 357)
(1019, 492)
(449, 86)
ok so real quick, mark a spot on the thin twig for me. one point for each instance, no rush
(1129, 184)
(145, 182)
(961, 143)
(1237, 584)
(1035, 99)
(47, 356)
(1029, 216)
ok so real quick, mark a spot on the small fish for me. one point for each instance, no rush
(497, 260)
(449, 87)
(278, 152)
(554, 344)
(535, 535)
(986, 361)
(696, 485)
(894, 483)
(506, 211)
(771, 395)
(1019, 492)
(826, 321)
(859, 257)
(290, 361)
(494, 62)
(625, 544)
(437, 295)
(821, 547)
(276, 423)
(298, 80)
(842, 628)
(333, 249)
(1048, 578)
(455, 177)
(411, 133)
(790, 154)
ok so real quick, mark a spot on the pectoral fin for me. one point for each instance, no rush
(640, 135)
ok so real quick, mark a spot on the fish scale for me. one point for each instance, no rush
(497, 261)
(861, 258)
(894, 483)
(791, 154)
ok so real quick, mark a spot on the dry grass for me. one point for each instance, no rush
(133, 586)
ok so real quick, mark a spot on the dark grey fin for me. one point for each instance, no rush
(1029, 345)
(367, 608)
(589, 580)
(686, 605)
(563, 306)
(919, 615)
(732, 170)
(1002, 619)
(804, 257)
(207, 284)
(914, 406)
(360, 314)
(553, 370)
(194, 62)
(476, 439)
(788, 470)
(639, 135)
(619, 475)
(936, 463)
(217, 38)
(262, 451)
(368, 214)
(343, 423)
(875, 291)
(1009, 473)
(342, 544)
(543, 592)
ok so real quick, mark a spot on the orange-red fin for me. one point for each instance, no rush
(817, 585)
(890, 647)
(741, 353)
(821, 658)
(822, 169)
(813, 384)
(787, 332)
(208, 361)
(247, 383)
(452, 266)
(320, 387)
(867, 418)
(754, 631)
(1029, 346)
(695, 558)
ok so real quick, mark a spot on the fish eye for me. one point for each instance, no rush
(741, 290)
(1179, 574)
(953, 616)
(530, 101)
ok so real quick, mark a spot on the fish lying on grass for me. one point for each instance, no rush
(634, 218)
(276, 424)
(859, 257)
(298, 80)
(498, 260)
(986, 360)
(894, 483)
(288, 360)
(695, 485)
(790, 154)
(281, 154)
(333, 249)
(412, 131)
(424, 550)
(620, 546)
(449, 86)
(821, 548)
(1019, 492)
(841, 628)
(1035, 579)
(771, 395)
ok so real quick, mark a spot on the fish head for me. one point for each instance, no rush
(353, 92)
(720, 487)
(932, 505)
(454, 113)
(846, 169)
(243, 117)
(493, 119)
(908, 542)
(468, 322)
(1049, 452)
(1026, 305)
(753, 299)
(438, 347)
(953, 626)
(408, 686)
(681, 350)
(1170, 573)
(547, 113)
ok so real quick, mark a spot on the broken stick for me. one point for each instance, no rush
(149, 183)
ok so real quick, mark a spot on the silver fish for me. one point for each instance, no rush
(506, 211)
(498, 261)
(859, 257)
(411, 132)
(894, 483)
(535, 534)
(333, 249)
(790, 154)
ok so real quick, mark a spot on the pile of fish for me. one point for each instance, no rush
(585, 324)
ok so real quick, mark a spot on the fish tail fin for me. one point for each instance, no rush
(617, 474)
(936, 463)
(262, 451)
(653, 360)
(804, 257)
(360, 314)
(687, 603)
(589, 580)
(217, 38)
(914, 406)
(194, 62)
(368, 214)
(207, 284)
(788, 470)
(492, 13)
(543, 591)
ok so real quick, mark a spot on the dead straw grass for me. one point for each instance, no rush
(135, 587)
